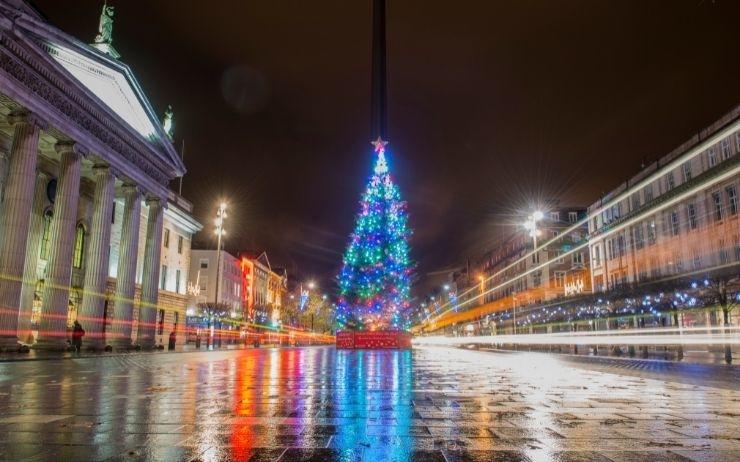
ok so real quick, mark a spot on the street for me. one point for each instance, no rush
(317, 403)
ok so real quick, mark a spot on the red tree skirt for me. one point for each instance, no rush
(379, 339)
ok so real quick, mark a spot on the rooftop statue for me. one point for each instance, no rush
(105, 28)
(167, 122)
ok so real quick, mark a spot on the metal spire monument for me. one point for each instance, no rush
(374, 282)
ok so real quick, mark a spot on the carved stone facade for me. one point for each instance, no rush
(84, 174)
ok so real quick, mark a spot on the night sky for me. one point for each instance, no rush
(493, 107)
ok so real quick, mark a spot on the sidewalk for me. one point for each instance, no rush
(35, 355)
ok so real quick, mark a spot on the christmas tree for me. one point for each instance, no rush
(376, 272)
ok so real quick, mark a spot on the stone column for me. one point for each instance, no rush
(14, 221)
(122, 316)
(33, 246)
(150, 277)
(53, 325)
(98, 253)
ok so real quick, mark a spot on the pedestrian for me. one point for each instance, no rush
(77, 333)
(171, 345)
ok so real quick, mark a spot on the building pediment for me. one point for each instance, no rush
(98, 92)
(112, 85)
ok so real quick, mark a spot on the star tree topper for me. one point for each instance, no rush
(381, 166)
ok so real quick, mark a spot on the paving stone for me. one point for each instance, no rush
(317, 403)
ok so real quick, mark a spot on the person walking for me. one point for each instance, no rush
(77, 333)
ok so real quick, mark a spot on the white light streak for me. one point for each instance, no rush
(672, 336)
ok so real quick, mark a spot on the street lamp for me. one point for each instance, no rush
(220, 232)
(531, 225)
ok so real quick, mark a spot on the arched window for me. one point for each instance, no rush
(46, 235)
(79, 246)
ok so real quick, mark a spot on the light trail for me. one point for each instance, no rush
(673, 336)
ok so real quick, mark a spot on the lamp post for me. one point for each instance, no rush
(530, 225)
(220, 232)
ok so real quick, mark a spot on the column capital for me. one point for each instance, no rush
(131, 189)
(102, 170)
(22, 116)
(154, 201)
(73, 147)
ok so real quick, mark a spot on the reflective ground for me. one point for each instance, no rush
(319, 404)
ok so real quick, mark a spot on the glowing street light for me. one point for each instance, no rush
(531, 225)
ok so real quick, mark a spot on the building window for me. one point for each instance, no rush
(678, 262)
(675, 224)
(79, 246)
(203, 283)
(177, 281)
(725, 145)
(697, 259)
(636, 201)
(597, 256)
(160, 326)
(175, 321)
(203, 263)
(555, 216)
(179, 244)
(113, 213)
(536, 257)
(46, 235)
(687, 171)
(712, 156)
(638, 236)
(572, 217)
(717, 199)
(723, 256)
(737, 248)
(648, 193)
(670, 183)
(537, 278)
(651, 232)
(732, 199)
(691, 213)
(559, 256)
(560, 279)
(163, 278)
(577, 259)
(166, 238)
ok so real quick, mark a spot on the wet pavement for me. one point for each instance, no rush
(320, 404)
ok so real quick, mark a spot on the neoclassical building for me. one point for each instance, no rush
(89, 229)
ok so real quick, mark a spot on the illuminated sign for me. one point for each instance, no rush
(575, 287)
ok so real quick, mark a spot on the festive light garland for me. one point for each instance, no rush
(374, 282)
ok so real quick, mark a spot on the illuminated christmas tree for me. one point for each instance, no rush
(376, 272)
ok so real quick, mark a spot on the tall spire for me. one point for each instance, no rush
(379, 85)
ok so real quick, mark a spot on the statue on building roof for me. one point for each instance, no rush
(167, 123)
(105, 27)
(104, 39)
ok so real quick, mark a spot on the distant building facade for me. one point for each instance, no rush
(558, 268)
(265, 290)
(209, 279)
